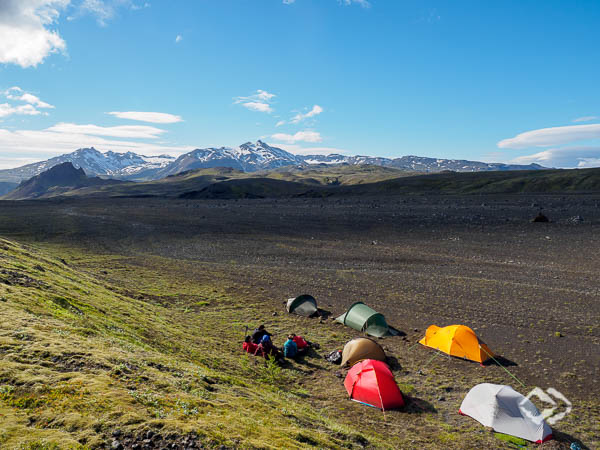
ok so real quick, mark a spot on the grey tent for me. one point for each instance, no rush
(506, 411)
(303, 305)
(360, 317)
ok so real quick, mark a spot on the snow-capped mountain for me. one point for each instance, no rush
(248, 157)
(109, 165)
(418, 163)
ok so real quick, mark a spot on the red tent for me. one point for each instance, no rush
(371, 382)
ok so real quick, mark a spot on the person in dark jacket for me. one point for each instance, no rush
(258, 334)
(266, 348)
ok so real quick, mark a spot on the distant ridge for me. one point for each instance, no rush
(58, 179)
(247, 157)
(306, 181)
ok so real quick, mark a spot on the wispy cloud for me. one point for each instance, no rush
(122, 131)
(25, 37)
(30, 108)
(586, 119)
(259, 101)
(565, 157)
(315, 111)
(298, 149)
(151, 117)
(23, 110)
(363, 3)
(300, 136)
(35, 145)
(178, 39)
(552, 136)
(106, 10)
(15, 93)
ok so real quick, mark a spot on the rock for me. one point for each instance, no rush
(540, 218)
(116, 433)
(441, 399)
(116, 445)
(149, 434)
(339, 374)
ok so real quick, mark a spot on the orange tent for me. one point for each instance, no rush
(457, 340)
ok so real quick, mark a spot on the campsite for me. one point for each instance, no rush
(174, 284)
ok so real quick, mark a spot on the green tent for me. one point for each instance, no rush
(360, 317)
(303, 305)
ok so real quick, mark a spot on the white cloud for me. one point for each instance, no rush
(363, 3)
(35, 145)
(106, 10)
(316, 110)
(552, 136)
(122, 131)
(258, 106)
(586, 119)
(178, 38)
(565, 157)
(301, 150)
(23, 110)
(26, 97)
(25, 37)
(300, 136)
(151, 117)
(259, 101)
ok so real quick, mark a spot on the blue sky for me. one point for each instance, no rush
(495, 81)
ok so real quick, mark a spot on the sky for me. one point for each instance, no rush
(504, 81)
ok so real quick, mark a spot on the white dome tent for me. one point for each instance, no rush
(506, 411)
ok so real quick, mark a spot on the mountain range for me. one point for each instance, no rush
(56, 181)
(248, 157)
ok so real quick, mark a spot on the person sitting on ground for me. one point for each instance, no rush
(258, 334)
(301, 343)
(249, 346)
(290, 348)
(266, 348)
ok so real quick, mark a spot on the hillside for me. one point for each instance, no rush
(55, 182)
(86, 363)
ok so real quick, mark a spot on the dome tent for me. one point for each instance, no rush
(303, 305)
(361, 348)
(457, 340)
(371, 382)
(360, 317)
(506, 411)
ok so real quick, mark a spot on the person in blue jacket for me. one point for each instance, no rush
(290, 348)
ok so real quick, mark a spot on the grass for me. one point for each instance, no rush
(92, 342)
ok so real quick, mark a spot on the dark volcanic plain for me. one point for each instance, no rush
(474, 260)
(530, 290)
